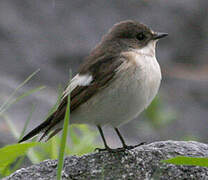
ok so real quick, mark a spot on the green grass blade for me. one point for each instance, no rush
(84, 142)
(27, 122)
(21, 97)
(188, 161)
(9, 153)
(32, 155)
(14, 92)
(54, 149)
(57, 102)
(6, 171)
(17, 164)
(64, 137)
(11, 126)
(54, 142)
(28, 93)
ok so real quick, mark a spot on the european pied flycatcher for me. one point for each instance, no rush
(117, 81)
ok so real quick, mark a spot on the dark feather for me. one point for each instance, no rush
(37, 130)
(83, 93)
(101, 64)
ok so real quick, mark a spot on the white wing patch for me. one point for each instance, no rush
(78, 80)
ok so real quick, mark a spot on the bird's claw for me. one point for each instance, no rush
(132, 147)
(119, 149)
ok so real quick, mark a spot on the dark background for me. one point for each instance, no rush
(55, 36)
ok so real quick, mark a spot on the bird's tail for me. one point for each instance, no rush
(43, 128)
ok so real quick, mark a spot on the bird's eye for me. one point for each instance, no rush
(140, 36)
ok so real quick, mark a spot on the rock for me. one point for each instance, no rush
(140, 163)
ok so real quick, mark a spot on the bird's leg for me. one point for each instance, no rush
(103, 137)
(107, 148)
(123, 142)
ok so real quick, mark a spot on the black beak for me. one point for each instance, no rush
(159, 35)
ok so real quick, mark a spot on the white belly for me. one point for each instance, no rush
(126, 97)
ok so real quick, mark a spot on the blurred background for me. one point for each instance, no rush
(54, 36)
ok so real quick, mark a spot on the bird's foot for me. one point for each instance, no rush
(110, 150)
(132, 147)
(125, 147)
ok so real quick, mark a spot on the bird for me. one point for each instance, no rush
(116, 82)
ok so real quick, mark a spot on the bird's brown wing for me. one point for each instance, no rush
(102, 70)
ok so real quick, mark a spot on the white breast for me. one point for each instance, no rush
(150, 70)
(134, 88)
